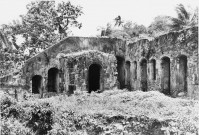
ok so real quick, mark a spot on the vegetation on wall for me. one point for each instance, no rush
(44, 24)
(160, 25)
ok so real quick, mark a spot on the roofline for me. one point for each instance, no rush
(64, 40)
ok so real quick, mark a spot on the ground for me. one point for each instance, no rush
(110, 112)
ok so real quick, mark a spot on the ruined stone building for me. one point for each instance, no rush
(168, 63)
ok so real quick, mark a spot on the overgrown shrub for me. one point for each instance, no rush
(11, 126)
(41, 119)
(111, 112)
(6, 101)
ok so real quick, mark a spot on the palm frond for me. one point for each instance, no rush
(182, 12)
(194, 18)
(184, 18)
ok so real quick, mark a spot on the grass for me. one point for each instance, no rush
(110, 112)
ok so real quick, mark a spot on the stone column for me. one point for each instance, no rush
(198, 65)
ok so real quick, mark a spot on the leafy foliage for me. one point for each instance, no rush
(45, 23)
(126, 30)
(160, 25)
(110, 112)
(133, 29)
(185, 18)
(118, 21)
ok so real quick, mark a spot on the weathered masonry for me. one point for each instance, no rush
(169, 64)
(88, 70)
(76, 63)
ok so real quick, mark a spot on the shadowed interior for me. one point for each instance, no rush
(94, 77)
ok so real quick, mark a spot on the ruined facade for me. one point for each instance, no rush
(169, 64)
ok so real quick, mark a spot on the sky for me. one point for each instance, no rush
(97, 13)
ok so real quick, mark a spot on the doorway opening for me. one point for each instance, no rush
(143, 69)
(94, 77)
(36, 84)
(53, 80)
(165, 77)
(121, 72)
(153, 69)
(183, 72)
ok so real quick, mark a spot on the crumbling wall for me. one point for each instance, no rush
(169, 63)
(76, 66)
(12, 84)
(175, 55)
(72, 72)
(40, 64)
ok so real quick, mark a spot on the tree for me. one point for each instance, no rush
(160, 25)
(118, 21)
(185, 18)
(45, 23)
(128, 31)
(106, 31)
(136, 30)
(10, 31)
(4, 42)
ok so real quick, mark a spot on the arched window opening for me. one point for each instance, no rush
(143, 69)
(128, 74)
(183, 73)
(165, 76)
(153, 69)
(94, 77)
(53, 80)
(36, 84)
(121, 72)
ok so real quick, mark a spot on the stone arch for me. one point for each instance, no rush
(36, 84)
(94, 77)
(53, 80)
(182, 72)
(121, 72)
(128, 74)
(165, 75)
(153, 69)
(135, 70)
(143, 74)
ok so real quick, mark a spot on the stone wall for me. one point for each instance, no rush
(73, 73)
(71, 59)
(76, 67)
(168, 63)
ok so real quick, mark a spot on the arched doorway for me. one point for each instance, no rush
(36, 84)
(143, 74)
(153, 69)
(121, 72)
(183, 73)
(165, 77)
(53, 80)
(94, 77)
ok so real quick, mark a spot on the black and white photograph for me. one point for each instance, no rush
(99, 67)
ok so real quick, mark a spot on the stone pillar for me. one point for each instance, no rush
(198, 65)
